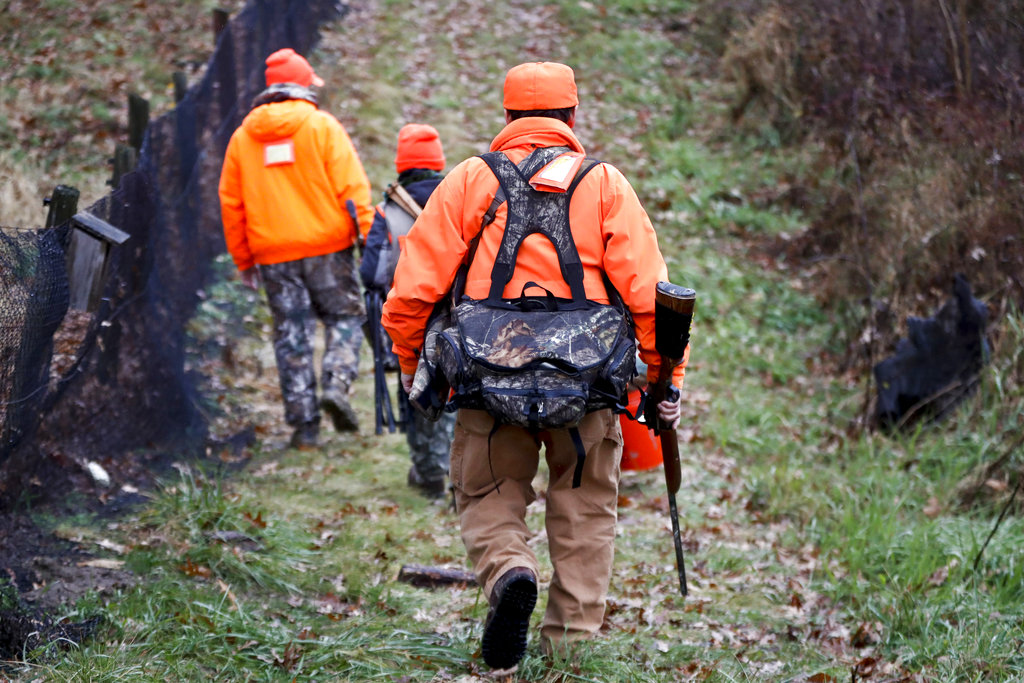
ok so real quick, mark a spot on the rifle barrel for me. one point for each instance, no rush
(383, 412)
(678, 542)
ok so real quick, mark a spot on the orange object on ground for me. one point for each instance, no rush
(641, 449)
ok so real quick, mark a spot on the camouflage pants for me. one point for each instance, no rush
(429, 444)
(300, 292)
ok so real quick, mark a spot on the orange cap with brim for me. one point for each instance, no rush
(540, 85)
(288, 66)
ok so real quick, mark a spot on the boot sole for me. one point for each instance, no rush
(504, 640)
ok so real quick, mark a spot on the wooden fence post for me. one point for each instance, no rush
(124, 160)
(180, 85)
(138, 119)
(88, 256)
(126, 156)
(220, 22)
(63, 204)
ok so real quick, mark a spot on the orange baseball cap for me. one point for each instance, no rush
(419, 146)
(540, 85)
(288, 66)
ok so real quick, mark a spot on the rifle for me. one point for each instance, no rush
(673, 312)
(379, 343)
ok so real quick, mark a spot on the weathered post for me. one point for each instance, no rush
(123, 162)
(180, 85)
(87, 258)
(220, 22)
(138, 119)
(62, 205)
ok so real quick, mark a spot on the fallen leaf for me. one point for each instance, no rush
(257, 521)
(246, 645)
(939, 576)
(192, 569)
(866, 666)
(111, 545)
(226, 590)
(868, 633)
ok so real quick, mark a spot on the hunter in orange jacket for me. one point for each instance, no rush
(290, 184)
(288, 172)
(613, 236)
(493, 464)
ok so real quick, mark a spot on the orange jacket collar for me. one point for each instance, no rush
(536, 131)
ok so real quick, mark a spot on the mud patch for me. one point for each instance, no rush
(26, 632)
(39, 574)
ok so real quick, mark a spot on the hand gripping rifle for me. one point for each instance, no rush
(673, 312)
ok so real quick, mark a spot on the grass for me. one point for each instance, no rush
(66, 71)
(813, 546)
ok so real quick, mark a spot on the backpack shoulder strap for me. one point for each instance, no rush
(533, 211)
(458, 286)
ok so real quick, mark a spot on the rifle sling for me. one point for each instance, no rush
(399, 195)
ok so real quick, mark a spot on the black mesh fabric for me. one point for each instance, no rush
(117, 380)
(34, 284)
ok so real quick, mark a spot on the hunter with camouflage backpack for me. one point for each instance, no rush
(524, 238)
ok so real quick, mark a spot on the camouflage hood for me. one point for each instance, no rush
(279, 92)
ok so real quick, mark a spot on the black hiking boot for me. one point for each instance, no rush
(431, 488)
(342, 414)
(508, 620)
(306, 436)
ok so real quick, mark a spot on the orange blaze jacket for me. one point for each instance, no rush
(612, 232)
(288, 171)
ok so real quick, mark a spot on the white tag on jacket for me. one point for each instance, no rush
(278, 153)
(557, 174)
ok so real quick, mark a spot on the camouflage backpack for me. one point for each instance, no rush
(536, 361)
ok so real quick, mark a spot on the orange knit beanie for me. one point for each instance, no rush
(419, 146)
(288, 66)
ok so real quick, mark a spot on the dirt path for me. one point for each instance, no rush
(749, 585)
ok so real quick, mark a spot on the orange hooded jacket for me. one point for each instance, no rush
(288, 171)
(612, 232)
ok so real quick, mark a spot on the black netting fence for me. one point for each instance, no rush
(34, 287)
(77, 386)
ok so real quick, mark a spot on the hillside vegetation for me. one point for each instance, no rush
(816, 171)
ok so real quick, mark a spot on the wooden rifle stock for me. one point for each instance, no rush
(673, 312)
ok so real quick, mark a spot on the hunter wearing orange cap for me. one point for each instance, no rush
(419, 160)
(294, 201)
(493, 464)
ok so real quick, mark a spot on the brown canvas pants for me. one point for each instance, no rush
(494, 484)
